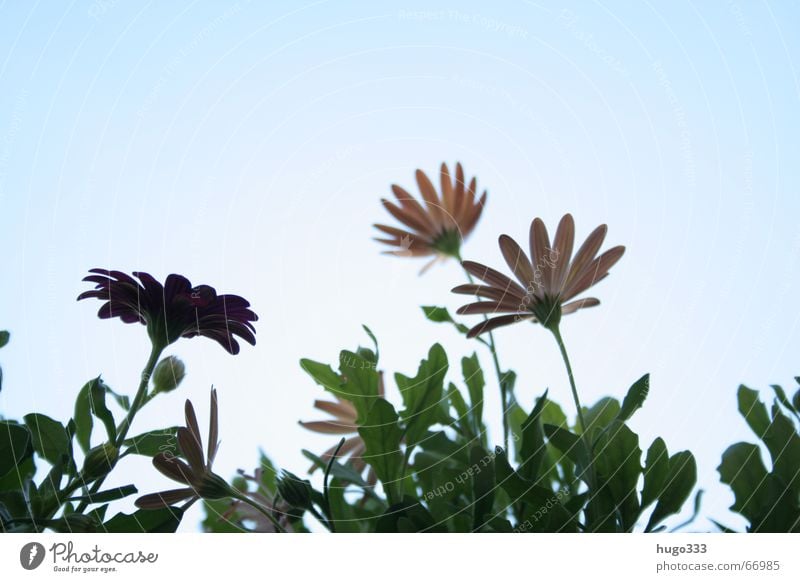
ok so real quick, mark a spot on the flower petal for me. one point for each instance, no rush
(213, 430)
(494, 293)
(164, 498)
(579, 304)
(562, 246)
(586, 253)
(540, 254)
(594, 272)
(517, 260)
(496, 322)
(172, 467)
(494, 278)
(192, 450)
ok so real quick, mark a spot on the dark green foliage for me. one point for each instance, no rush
(769, 498)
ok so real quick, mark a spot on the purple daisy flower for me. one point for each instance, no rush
(174, 309)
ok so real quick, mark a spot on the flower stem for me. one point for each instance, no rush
(141, 393)
(257, 506)
(501, 377)
(125, 425)
(590, 476)
(557, 333)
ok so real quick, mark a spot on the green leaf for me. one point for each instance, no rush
(473, 378)
(753, 488)
(382, 435)
(339, 470)
(483, 485)
(4, 337)
(422, 395)
(323, 375)
(407, 516)
(441, 315)
(533, 448)
(783, 444)
(753, 410)
(357, 383)
(164, 520)
(49, 437)
(97, 404)
(601, 415)
(461, 408)
(617, 457)
(781, 396)
(107, 495)
(679, 483)
(83, 417)
(15, 445)
(635, 397)
(569, 444)
(371, 335)
(656, 471)
(360, 382)
(151, 443)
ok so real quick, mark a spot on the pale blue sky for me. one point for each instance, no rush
(247, 145)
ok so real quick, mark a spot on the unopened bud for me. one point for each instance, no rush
(99, 461)
(295, 491)
(168, 375)
(212, 486)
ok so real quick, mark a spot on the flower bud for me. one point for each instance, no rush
(212, 486)
(168, 375)
(99, 461)
(295, 491)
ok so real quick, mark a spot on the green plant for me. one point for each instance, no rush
(768, 498)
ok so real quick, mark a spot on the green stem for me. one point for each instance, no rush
(590, 476)
(557, 333)
(141, 394)
(501, 378)
(262, 510)
(136, 405)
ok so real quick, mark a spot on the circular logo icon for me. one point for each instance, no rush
(31, 555)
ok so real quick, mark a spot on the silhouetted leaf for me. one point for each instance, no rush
(107, 495)
(49, 437)
(617, 457)
(441, 315)
(164, 520)
(151, 443)
(678, 485)
(382, 436)
(753, 410)
(15, 445)
(533, 447)
(635, 397)
(422, 395)
(473, 378)
(656, 471)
